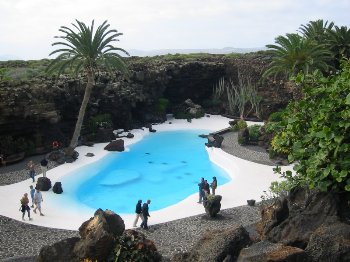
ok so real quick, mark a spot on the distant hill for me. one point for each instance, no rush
(7, 57)
(226, 50)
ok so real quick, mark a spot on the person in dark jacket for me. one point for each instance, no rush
(138, 212)
(201, 192)
(145, 214)
(206, 187)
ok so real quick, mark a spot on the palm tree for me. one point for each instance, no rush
(293, 53)
(339, 43)
(316, 30)
(84, 50)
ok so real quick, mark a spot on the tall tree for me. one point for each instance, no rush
(293, 53)
(316, 30)
(339, 43)
(83, 49)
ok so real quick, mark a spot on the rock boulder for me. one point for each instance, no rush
(116, 145)
(43, 184)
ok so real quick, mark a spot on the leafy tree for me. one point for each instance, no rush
(316, 131)
(84, 50)
(293, 54)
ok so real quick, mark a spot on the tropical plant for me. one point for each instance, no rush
(317, 131)
(84, 50)
(339, 43)
(254, 132)
(293, 54)
(316, 30)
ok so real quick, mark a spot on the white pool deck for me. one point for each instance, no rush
(249, 180)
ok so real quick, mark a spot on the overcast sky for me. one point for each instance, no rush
(28, 27)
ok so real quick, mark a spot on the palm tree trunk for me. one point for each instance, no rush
(84, 103)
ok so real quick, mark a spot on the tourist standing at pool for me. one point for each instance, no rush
(206, 187)
(38, 198)
(32, 193)
(138, 212)
(25, 206)
(43, 165)
(214, 185)
(145, 214)
(31, 170)
(200, 188)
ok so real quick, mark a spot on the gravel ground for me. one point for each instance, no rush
(21, 242)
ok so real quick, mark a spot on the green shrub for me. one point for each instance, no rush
(318, 130)
(276, 116)
(254, 132)
(241, 141)
(100, 121)
(241, 124)
(162, 105)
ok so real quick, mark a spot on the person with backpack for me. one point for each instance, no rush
(25, 206)
(214, 185)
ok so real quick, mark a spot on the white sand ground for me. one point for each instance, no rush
(249, 180)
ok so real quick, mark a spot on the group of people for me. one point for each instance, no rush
(31, 166)
(204, 188)
(142, 212)
(36, 198)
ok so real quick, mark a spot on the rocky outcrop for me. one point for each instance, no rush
(267, 251)
(43, 184)
(98, 235)
(102, 238)
(217, 246)
(214, 141)
(41, 109)
(57, 188)
(116, 145)
(212, 205)
(317, 222)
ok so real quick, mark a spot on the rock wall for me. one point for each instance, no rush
(43, 109)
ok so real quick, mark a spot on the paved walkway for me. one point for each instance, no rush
(21, 242)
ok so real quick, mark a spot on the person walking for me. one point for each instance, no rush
(200, 188)
(138, 212)
(38, 199)
(25, 206)
(145, 214)
(31, 168)
(32, 193)
(214, 185)
(43, 164)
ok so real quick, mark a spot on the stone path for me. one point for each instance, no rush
(22, 242)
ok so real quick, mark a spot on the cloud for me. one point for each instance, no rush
(28, 26)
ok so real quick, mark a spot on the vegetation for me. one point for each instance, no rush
(162, 105)
(316, 131)
(12, 145)
(100, 121)
(84, 51)
(321, 47)
(293, 53)
(254, 133)
(239, 97)
(240, 125)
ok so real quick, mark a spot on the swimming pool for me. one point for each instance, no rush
(164, 167)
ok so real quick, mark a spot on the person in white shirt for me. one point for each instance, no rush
(38, 198)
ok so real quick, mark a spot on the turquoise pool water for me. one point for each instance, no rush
(165, 167)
